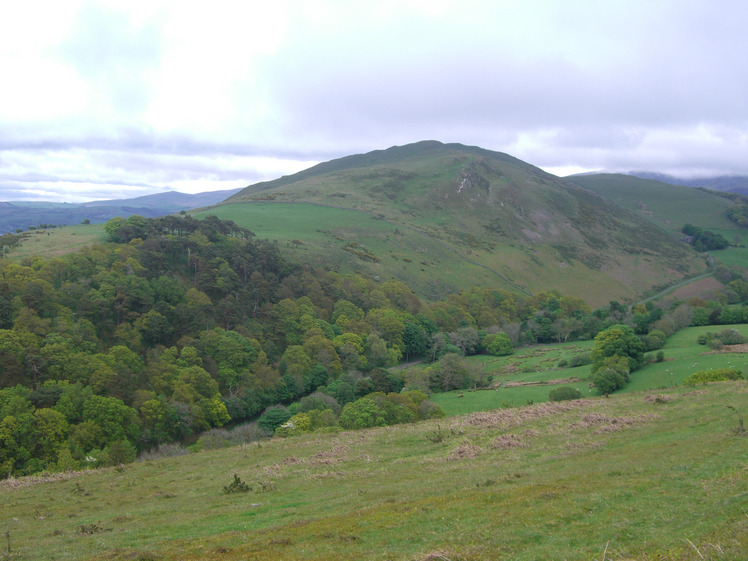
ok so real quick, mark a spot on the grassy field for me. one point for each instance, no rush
(58, 241)
(683, 357)
(636, 476)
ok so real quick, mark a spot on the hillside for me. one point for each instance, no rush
(729, 183)
(427, 209)
(669, 206)
(637, 476)
(672, 206)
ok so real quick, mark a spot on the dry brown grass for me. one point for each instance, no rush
(31, 480)
(603, 423)
(506, 418)
(506, 441)
(659, 398)
(465, 451)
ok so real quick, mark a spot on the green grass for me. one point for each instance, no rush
(422, 263)
(620, 478)
(58, 241)
(683, 357)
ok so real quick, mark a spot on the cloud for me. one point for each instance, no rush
(108, 96)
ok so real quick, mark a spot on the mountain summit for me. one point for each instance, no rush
(518, 225)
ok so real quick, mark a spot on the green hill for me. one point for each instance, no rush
(441, 217)
(672, 206)
(637, 476)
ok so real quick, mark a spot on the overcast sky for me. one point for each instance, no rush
(111, 99)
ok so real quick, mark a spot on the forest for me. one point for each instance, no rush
(177, 325)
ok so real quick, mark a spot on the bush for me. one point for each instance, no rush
(564, 393)
(119, 452)
(581, 359)
(498, 344)
(731, 337)
(273, 418)
(608, 381)
(718, 375)
(163, 451)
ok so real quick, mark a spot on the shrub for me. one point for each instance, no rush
(731, 337)
(163, 451)
(236, 486)
(119, 452)
(427, 409)
(298, 424)
(564, 393)
(248, 432)
(718, 375)
(498, 344)
(608, 381)
(581, 359)
(273, 418)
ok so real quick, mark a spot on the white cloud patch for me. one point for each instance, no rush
(142, 96)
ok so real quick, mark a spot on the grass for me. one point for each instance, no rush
(57, 241)
(627, 477)
(683, 357)
(326, 233)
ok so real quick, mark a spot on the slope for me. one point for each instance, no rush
(672, 206)
(635, 476)
(497, 219)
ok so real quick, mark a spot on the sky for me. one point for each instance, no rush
(117, 99)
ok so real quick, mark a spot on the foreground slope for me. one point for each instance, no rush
(637, 476)
(502, 220)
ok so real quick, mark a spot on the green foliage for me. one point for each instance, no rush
(717, 340)
(716, 375)
(564, 393)
(609, 380)
(362, 413)
(273, 418)
(617, 342)
(498, 344)
(236, 486)
(579, 359)
(739, 214)
(454, 372)
(704, 240)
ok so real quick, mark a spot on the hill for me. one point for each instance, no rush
(441, 217)
(20, 215)
(672, 206)
(729, 183)
(636, 476)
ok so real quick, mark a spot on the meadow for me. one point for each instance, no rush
(636, 476)
(683, 357)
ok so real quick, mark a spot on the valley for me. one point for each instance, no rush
(430, 352)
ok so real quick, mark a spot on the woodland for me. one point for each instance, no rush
(176, 326)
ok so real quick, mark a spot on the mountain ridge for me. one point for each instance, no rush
(531, 227)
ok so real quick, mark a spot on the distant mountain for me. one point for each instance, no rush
(22, 215)
(440, 217)
(730, 183)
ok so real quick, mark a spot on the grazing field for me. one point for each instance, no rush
(514, 374)
(637, 476)
(57, 241)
